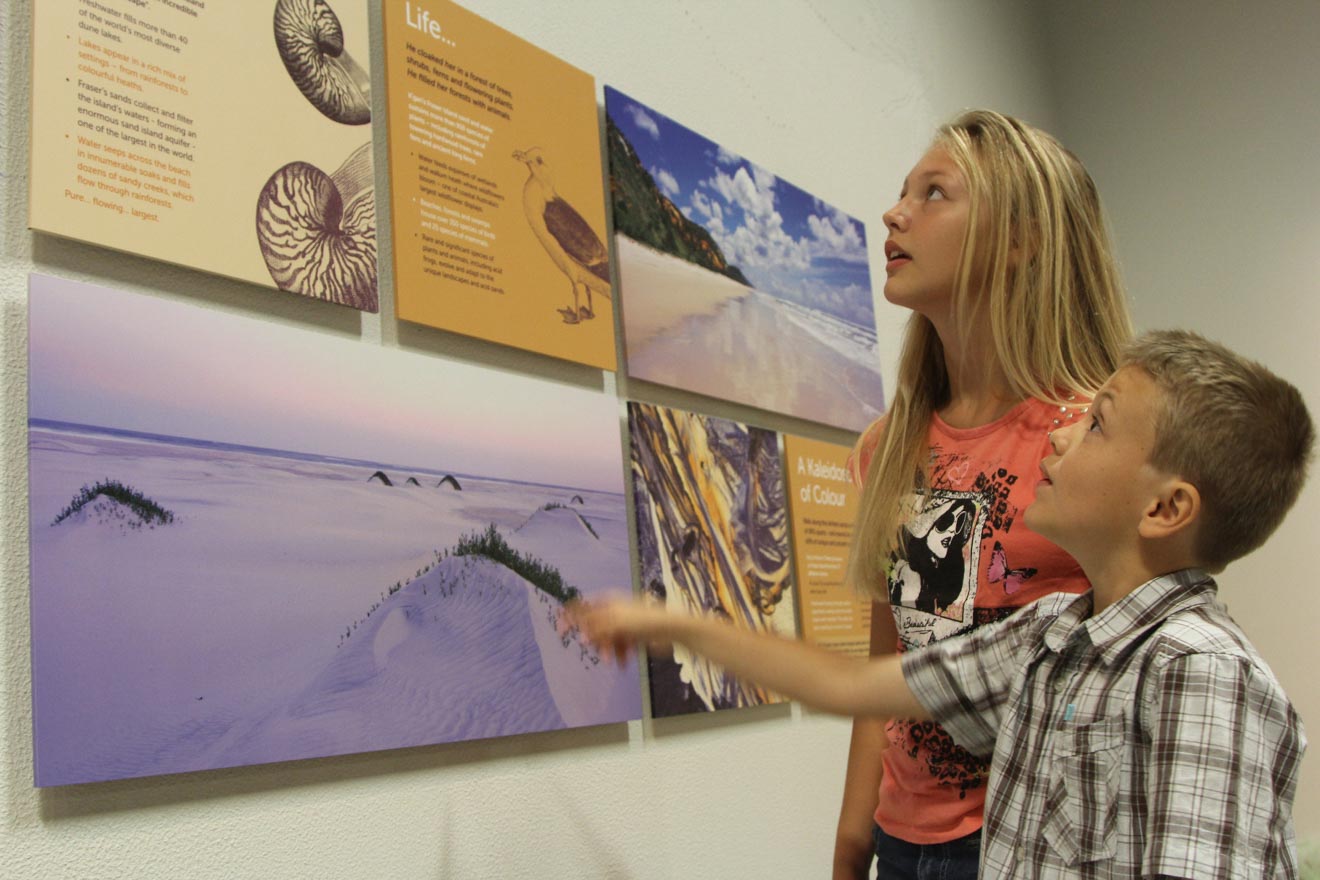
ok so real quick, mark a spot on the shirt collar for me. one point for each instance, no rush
(1113, 629)
(1072, 614)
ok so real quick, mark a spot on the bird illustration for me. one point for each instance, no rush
(566, 236)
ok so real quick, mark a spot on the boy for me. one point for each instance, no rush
(1134, 729)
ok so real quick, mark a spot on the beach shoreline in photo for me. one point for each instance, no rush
(753, 348)
(664, 290)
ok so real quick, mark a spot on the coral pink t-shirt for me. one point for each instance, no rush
(970, 560)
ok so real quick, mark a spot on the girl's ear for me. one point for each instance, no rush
(1173, 510)
(1023, 242)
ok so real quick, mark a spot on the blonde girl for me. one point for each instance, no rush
(999, 247)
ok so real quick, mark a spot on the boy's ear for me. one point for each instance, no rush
(1174, 508)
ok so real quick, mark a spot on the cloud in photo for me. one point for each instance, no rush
(726, 157)
(643, 120)
(709, 210)
(667, 182)
(760, 241)
(755, 195)
(836, 235)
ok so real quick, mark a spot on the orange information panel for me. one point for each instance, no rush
(496, 183)
(229, 137)
(823, 502)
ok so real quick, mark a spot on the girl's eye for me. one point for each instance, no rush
(934, 193)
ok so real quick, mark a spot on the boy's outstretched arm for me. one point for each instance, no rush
(818, 678)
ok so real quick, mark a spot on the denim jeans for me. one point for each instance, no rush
(899, 860)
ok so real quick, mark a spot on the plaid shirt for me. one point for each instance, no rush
(1149, 740)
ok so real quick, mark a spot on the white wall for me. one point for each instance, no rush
(1201, 124)
(837, 96)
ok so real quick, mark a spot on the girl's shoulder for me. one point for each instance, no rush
(859, 460)
(1036, 416)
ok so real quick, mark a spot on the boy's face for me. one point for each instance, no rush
(1098, 480)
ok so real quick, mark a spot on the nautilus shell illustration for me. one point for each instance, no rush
(311, 43)
(317, 231)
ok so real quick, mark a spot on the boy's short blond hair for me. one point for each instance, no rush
(1233, 429)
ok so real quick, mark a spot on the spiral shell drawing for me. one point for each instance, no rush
(311, 43)
(317, 231)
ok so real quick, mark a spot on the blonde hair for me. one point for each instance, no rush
(1039, 274)
(1237, 432)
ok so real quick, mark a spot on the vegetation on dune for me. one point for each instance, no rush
(555, 505)
(147, 511)
(491, 544)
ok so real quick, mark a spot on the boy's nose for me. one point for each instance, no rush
(1061, 438)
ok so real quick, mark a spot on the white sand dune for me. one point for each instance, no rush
(684, 329)
(555, 519)
(468, 650)
(219, 639)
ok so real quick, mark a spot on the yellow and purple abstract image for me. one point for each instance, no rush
(712, 539)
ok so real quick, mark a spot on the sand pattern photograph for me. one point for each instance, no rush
(255, 543)
(734, 283)
(713, 539)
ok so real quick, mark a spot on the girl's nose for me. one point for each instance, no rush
(895, 217)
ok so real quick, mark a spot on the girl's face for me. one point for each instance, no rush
(926, 229)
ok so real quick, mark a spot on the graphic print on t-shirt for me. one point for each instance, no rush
(1000, 572)
(933, 584)
(933, 589)
(937, 573)
(1000, 566)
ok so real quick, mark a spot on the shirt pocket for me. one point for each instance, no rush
(1081, 802)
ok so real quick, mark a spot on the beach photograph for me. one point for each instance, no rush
(734, 283)
(712, 539)
(255, 543)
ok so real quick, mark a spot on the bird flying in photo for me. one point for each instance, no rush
(568, 239)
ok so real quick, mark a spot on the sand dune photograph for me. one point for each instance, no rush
(221, 579)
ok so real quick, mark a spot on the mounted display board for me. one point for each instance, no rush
(712, 538)
(496, 191)
(229, 137)
(220, 578)
(735, 283)
(823, 501)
